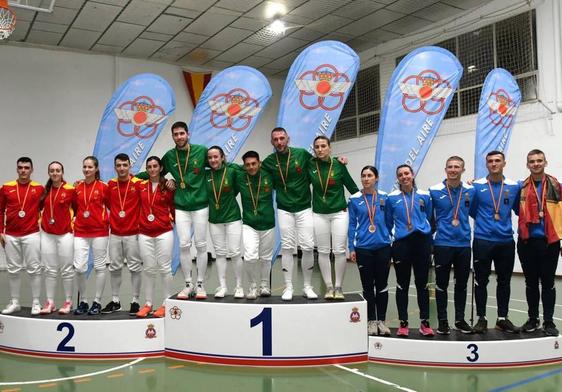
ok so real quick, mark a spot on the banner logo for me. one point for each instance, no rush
(327, 84)
(427, 93)
(501, 107)
(235, 104)
(139, 115)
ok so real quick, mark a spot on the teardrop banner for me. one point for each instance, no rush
(417, 98)
(499, 101)
(132, 120)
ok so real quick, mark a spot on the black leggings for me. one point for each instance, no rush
(446, 257)
(374, 267)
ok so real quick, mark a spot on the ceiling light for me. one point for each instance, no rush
(277, 27)
(274, 9)
(471, 68)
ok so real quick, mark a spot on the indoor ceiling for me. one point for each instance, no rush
(215, 34)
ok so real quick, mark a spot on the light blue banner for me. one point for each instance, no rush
(499, 101)
(417, 98)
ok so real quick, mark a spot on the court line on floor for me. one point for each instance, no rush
(379, 380)
(73, 377)
(526, 381)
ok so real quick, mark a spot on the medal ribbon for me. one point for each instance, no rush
(122, 203)
(52, 201)
(218, 195)
(408, 217)
(324, 186)
(543, 195)
(255, 201)
(456, 212)
(87, 203)
(496, 205)
(25, 197)
(184, 172)
(284, 177)
(151, 201)
(372, 211)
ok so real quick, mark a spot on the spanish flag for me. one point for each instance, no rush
(196, 83)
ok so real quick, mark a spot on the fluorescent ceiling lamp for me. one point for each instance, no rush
(274, 9)
(277, 27)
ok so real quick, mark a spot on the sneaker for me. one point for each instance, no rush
(66, 307)
(144, 311)
(35, 309)
(186, 292)
(481, 326)
(111, 307)
(463, 327)
(549, 328)
(220, 292)
(506, 325)
(200, 292)
(426, 330)
(287, 294)
(403, 330)
(372, 328)
(443, 328)
(134, 309)
(383, 329)
(160, 312)
(329, 293)
(48, 308)
(252, 292)
(238, 292)
(81, 309)
(531, 325)
(12, 307)
(265, 291)
(338, 294)
(95, 309)
(309, 293)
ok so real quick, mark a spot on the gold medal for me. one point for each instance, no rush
(217, 194)
(182, 185)
(256, 199)
(255, 212)
(455, 222)
(372, 228)
(324, 186)
(409, 226)
(217, 206)
(497, 216)
(183, 173)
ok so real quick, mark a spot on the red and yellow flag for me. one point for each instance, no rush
(196, 82)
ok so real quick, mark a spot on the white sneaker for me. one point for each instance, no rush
(329, 293)
(186, 292)
(220, 292)
(309, 293)
(373, 328)
(338, 294)
(383, 329)
(252, 293)
(200, 292)
(238, 292)
(265, 291)
(35, 309)
(287, 294)
(12, 307)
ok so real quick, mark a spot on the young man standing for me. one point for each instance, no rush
(495, 198)
(451, 205)
(19, 233)
(538, 246)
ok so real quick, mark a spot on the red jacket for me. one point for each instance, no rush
(19, 216)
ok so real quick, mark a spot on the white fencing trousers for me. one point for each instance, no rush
(99, 251)
(193, 224)
(226, 240)
(57, 252)
(156, 254)
(258, 246)
(123, 248)
(24, 253)
(330, 232)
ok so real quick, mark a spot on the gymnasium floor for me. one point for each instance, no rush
(28, 374)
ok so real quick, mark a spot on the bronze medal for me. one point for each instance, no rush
(409, 226)
(497, 216)
(372, 228)
(455, 222)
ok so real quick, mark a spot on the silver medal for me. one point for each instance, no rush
(121, 214)
(86, 214)
(21, 214)
(150, 218)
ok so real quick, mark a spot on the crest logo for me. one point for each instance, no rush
(1, 327)
(326, 85)
(425, 92)
(139, 117)
(150, 332)
(175, 313)
(354, 317)
(234, 110)
(501, 108)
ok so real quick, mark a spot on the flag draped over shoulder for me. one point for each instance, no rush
(417, 98)
(499, 101)
(132, 120)
(195, 83)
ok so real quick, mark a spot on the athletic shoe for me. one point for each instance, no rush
(144, 311)
(133, 310)
(220, 292)
(506, 325)
(383, 329)
(287, 294)
(95, 309)
(443, 328)
(463, 327)
(549, 328)
(35, 309)
(265, 291)
(66, 307)
(238, 292)
(186, 292)
(372, 328)
(12, 307)
(329, 293)
(160, 312)
(200, 292)
(403, 330)
(338, 294)
(309, 293)
(252, 292)
(531, 325)
(481, 326)
(48, 308)
(426, 330)
(111, 307)
(81, 309)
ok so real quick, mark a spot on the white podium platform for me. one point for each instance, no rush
(113, 336)
(267, 331)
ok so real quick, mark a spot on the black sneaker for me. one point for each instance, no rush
(549, 328)
(481, 326)
(443, 328)
(81, 309)
(463, 327)
(531, 325)
(135, 307)
(506, 325)
(95, 309)
(111, 307)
